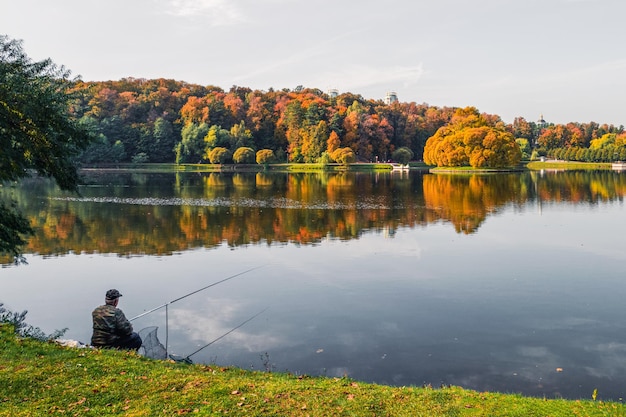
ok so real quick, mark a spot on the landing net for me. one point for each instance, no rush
(151, 347)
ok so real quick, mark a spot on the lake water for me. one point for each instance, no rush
(509, 282)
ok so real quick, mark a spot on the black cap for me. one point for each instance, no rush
(113, 294)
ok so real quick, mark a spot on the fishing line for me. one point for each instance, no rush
(195, 292)
(166, 305)
(187, 358)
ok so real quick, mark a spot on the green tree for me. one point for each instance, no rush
(216, 136)
(101, 151)
(37, 131)
(534, 155)
(314, 141)
(324, 159)
(314, 114)
(140, 158)
(191, 148)
(524, 146)
(336, 123)
(240, 136)
(403, 155)
(164, 139)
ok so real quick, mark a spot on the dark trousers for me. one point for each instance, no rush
(130, 342)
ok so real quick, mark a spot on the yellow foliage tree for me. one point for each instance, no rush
(343, 156)
(472, 139)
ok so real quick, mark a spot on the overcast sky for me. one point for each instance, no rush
(565, 59)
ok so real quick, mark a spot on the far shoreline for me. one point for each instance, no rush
(354, 167)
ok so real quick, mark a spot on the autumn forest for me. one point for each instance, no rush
(167, 121)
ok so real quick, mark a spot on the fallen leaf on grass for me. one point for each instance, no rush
(79, 402)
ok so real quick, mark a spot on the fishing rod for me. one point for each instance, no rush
(194, 292)
(187, 359)
(166, 305)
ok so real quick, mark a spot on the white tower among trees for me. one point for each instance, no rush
(391, 97)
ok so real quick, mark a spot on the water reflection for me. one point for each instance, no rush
(491, 282)
(160, 214)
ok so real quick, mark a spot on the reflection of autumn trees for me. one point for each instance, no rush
(581, 187)
(466, 200)
(160, 214)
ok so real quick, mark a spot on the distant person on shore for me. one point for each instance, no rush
(111, 328)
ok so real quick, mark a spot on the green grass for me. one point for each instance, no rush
(472, 170)
(537, 165)
(534, 165)
(42, 378)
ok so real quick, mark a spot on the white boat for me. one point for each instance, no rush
(399, 167)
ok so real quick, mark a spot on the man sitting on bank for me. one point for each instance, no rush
(111, 329)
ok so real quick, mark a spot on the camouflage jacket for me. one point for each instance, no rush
(109, 324)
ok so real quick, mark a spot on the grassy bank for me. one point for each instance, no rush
(471, 170)
(537, 165)
(534, 165)
(302, 167)
(42, 378)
